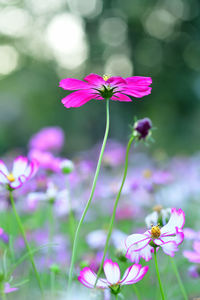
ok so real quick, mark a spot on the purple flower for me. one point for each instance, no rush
(132, 275)
(22, 171)
(168, 238)
(142, 128)
(48, 139)
(99, 88)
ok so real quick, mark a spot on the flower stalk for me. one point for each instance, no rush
(158, 275)
(75, 244)
(115, 207)
(175, 269)
(26, 242)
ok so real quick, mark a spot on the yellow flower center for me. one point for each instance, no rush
(147, 173)
(106, 77)
(155, 232)
(10, 177)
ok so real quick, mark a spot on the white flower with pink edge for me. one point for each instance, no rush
(21, 172)
(168, 237)
(132, 275)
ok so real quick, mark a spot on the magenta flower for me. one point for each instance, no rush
(21, 172)
(99, 88)
(48, 139)
(193, 256)
(46, 160)
(112, 271)
(167, 237)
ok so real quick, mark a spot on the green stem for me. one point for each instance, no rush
(179, 278)
(115, 208)
(158, 275)
(116, 297)
(74, 249)
(26, 242)
(137, 292)
(3, 295)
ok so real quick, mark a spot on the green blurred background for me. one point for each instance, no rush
(42, 41)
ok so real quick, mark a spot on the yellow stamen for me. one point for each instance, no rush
(147, 173)
(106, 77)
(10, 177)
(155, 232)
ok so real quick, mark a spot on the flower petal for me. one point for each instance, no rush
(196, 246)
(139, 80)
(31, 169)
(95, 79)
(120, 97)
(130, 274)
(88, 278)
(116, 81)
(3, 178)
(73, 84)
(177, 219)
(192, 256)
(135, 255)
(3, 168)
(139, 240)
(112, 271)
(137, 92)
(169, 248)
(19, 166)
(78, 98)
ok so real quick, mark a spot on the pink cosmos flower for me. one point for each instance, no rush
(48, 139)
(167, 237)
(99, 88)
(21, 172)
(112, 271)
(46, 160)
(8, 289)
(193, 256)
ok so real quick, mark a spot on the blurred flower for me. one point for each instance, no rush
(194, 271)
(142, 128)
(46, 160)
(159, 216)
(99, 88)
(167, 237)
(8, 289)
(22, 171)
(193, 256)
(191, 234)
(132, 275)
(48, 139)
(4, 236)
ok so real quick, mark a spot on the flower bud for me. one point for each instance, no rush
(142, 128)
(67, 166)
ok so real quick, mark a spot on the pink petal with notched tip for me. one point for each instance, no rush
(112, 271)
(73, 84)
(78, 98)
(88, 278)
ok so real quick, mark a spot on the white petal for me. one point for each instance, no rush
(3, 178)
(177, 219)
(130, 274)
(169, 248)
(3, 168)
(88, 278)
(19, 166)
(112, 271)
(137, 239)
